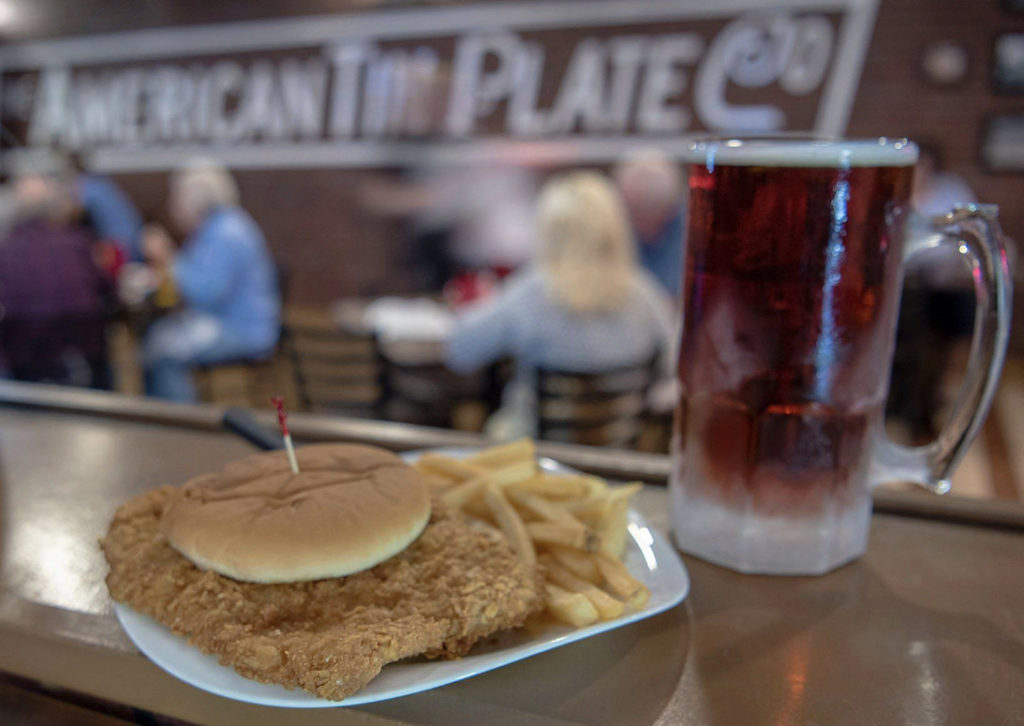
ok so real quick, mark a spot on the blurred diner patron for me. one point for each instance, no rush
(53, 297)
(224, 275)
(936, 189)
(584, 305)
(471, 218)
(107, 210)
(653, 189)
(465, 222)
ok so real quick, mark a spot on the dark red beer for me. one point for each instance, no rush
(791, 288)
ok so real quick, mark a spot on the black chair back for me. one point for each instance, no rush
(420, 389)
(596, 409)
(334, 371)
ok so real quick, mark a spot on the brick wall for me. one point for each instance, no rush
(318, 220)
(895, 98)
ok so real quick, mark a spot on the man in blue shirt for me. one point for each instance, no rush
(652, 187)
(226, 279)
(111, 214)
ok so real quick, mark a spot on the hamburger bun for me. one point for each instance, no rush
(350, 508)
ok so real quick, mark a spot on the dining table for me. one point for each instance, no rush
(409, 331)
(926, 628)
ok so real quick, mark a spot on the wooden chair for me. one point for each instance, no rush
(237, 382)
(333, 371)
(596, 409)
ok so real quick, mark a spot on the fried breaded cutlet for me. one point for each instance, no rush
(451, 587)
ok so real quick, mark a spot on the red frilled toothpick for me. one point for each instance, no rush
(282, 420)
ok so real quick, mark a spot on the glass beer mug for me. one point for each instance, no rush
(794, 267)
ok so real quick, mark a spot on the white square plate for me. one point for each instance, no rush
(649, 557)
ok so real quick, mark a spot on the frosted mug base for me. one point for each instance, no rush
(745, 541)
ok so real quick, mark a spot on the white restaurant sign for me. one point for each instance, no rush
(578, 79)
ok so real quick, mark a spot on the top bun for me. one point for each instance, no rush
(348, 509)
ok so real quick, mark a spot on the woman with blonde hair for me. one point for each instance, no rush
(586, 256)
(584, 305)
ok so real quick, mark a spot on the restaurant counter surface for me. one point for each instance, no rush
(927, 628)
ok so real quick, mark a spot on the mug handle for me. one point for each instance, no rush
(974, 230)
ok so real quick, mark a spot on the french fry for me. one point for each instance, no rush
(457, 470)
(462, 495)
(595, 508)
(571, 607)
(577, 561)
(512, 473)
(541, 508)
(606, 605)
(553, 486)
(612, 528)
(561, 533)
(592, 509)
(595, 486)
(459, 495)
(578, 524)
(624, 491)
(432, 476)
(438, 483)
(503, 455)
(468, 497)
(510, 522)
(620, 582)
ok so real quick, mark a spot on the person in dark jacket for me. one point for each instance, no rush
(53, 296)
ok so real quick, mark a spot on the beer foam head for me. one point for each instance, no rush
(802, 152)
